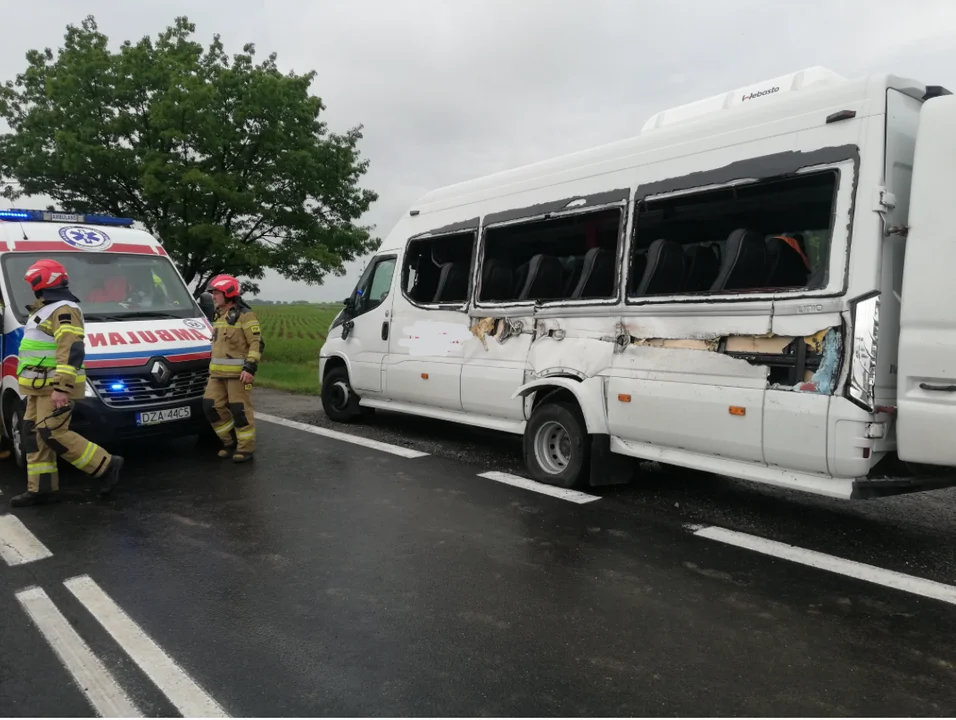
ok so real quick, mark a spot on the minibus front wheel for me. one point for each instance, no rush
(557, 445)
(339, 400)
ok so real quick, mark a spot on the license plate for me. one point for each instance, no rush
(154, 417)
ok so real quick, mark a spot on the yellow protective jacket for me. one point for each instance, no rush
(236, 342)
(52, 351)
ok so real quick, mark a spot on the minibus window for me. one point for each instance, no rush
(436, 269)
(566, 258)
(374, 288)
(758, 237)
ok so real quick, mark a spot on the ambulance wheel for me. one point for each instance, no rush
(15, 432)
(557, 446)
(339, 400)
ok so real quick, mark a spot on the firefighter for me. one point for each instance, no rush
(4, 450)
(51, 374)
(236, 352)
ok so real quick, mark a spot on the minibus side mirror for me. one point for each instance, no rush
(207, 306)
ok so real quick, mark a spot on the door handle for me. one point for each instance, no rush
(937, 388)
(385, 330)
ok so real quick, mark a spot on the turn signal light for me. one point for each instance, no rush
(737, 410)
(424, 376)
(624, 398)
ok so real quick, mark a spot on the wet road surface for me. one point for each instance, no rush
(328, 578)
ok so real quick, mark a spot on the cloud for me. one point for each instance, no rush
(449, 90)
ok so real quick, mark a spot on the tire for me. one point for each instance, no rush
(339, 400)
(16, 433)
(557, 447)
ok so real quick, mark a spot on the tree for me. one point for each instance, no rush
(225, 160)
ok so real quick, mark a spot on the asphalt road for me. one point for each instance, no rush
(332, 578)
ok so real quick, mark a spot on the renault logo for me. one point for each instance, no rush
(160, 373)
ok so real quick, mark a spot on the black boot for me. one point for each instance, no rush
(34, 498)
(109, 479)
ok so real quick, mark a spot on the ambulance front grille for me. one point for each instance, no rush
(139, 390)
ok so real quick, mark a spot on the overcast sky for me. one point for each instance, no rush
(455, 89)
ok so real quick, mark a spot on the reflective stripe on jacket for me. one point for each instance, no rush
(235, 346)
(52, 353)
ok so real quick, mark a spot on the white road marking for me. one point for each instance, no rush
(345, 437)
(18, 545)
(176, 684)
(822, 561)
(570, 495)
(93, 679)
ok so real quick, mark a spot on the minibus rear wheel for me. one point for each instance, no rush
(557, 446)
(339, 400)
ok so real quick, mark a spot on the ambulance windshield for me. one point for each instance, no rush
(110, 286)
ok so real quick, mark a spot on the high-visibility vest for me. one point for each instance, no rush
(36, 361)
(792, 242)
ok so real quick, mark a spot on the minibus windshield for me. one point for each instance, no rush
(110, 286)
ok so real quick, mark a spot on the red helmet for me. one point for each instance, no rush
(46, 274)
(226, 284)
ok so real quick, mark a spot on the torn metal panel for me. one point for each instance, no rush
(673, 324)
(794, 363)
(499, 328)
(678, 344)
(689, 366)
(482, 327)
(508, 327)
(757, 344)
(803, 324)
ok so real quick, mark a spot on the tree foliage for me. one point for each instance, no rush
(225, 159)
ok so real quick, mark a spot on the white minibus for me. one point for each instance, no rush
(759, 285)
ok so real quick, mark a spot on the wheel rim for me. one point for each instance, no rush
(15, 436)
(340, 395)
(552, 447)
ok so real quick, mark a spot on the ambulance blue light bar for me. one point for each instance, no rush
(47, 216)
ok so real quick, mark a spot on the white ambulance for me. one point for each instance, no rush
(760, 285)
(148, 341)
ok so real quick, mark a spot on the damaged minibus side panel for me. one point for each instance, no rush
(540, 266)
(706, 367)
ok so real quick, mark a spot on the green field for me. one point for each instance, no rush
(293, 334)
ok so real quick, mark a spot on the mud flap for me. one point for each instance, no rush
(609, 468)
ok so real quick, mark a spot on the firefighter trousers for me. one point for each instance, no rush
(228, 405)
(46, 436)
